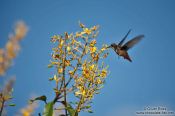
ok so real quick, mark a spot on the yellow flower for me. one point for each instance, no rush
(1, 59)
(77, 93)
(73, 41)
(61, 42)
(11, 50)
(86, 73)
(60, 70)
(95, 57)
(103, 73)
(94, 28)
(55, 37)
(93, 49)
(103, 49)
(55, 63)
(92, 43)
(87, 31)
(68, 48)
(29, 109)
(55, 77)
(90, 94)
(78, 34)
(25, 113)
(98, 81)
(82, 33)
(92, 67)
(71, 73)
(81, 91)
(20, 30)
(55, 56)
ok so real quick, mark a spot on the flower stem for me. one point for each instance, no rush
(2, 106)
(79, 105)
(64, 81)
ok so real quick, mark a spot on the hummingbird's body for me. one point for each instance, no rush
(121, 50)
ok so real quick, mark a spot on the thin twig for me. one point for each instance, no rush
(76, 68)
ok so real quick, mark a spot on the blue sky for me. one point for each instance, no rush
(147, 81)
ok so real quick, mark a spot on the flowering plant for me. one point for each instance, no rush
(80, 71)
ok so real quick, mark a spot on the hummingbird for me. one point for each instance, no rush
(122, 50)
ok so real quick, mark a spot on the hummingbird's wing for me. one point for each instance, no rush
(132, 42)
(121, 42)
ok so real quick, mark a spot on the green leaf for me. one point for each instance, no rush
(71, 110)
(90, 111)
(48, 110)
(12, 104)
(51, 79)
(41, 98)
(87, 107)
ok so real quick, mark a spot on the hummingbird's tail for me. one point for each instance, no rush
(127, 57)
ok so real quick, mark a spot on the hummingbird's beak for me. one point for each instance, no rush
(109, 46)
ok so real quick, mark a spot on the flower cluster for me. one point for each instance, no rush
(6, 94)
(29, 109)
(79, 64)
(12, 47)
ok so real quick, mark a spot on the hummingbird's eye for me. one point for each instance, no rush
(112, 45)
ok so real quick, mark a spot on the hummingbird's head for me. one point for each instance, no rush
(113, 46)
